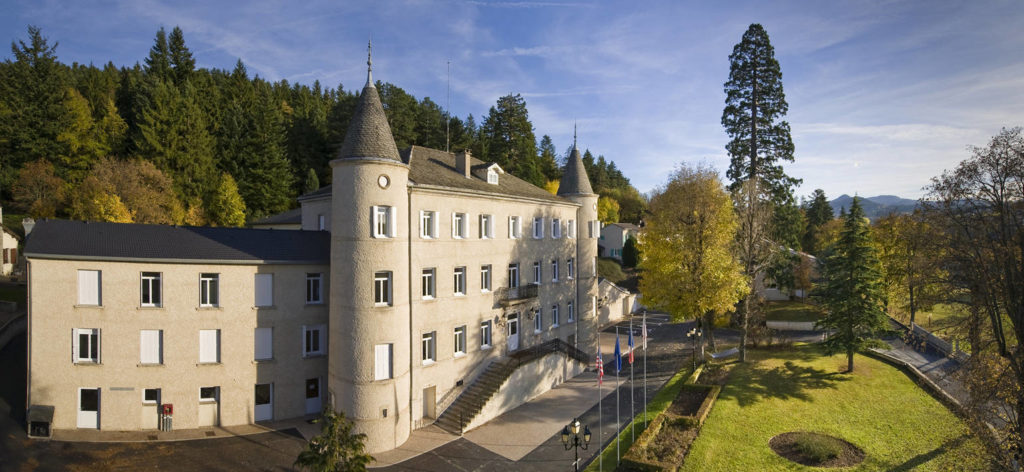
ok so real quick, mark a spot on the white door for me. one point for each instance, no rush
(89, 408)
(513, 332)
(209, 406)
(313, 396)
(264, 402)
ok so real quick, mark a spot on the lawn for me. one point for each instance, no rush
(793, 311)
(878, 408)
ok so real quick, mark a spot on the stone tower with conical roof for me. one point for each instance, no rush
(575, 186)
(369, 299)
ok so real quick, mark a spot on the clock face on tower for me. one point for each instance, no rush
(383, 181)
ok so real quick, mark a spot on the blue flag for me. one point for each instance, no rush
(618, 355)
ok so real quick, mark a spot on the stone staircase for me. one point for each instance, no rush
(472, 400)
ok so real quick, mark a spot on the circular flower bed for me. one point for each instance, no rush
(816, 450)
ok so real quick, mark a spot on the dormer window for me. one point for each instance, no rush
(492, 177)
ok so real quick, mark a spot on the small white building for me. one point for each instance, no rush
(9, 248)
(613, 238)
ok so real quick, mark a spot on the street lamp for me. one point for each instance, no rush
(693, 335)
(571, 439)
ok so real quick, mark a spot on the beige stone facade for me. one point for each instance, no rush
(120, 373)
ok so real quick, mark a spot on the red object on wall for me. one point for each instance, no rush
(168, 409)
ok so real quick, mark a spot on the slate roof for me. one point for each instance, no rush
(437, 168)
(289, 217)
(369, 134)
(432, 167)
(574, 177)
(629, 226)
(63, 239)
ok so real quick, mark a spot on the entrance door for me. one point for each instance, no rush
(209, 406)
(150, 408)
(312, 396)
(430, 402)
(513, 332)
(264, 402)
(89, 408)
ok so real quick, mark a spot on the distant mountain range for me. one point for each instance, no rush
(875, 207)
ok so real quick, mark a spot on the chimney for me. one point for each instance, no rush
(462, 160)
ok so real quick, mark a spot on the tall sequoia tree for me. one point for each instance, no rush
(853, 292)
(754, 107)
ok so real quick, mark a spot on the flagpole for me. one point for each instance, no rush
(600, 411)
(633, 433)
(618, 367)
(644, 334)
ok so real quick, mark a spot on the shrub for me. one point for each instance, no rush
(818, 447)
(611, 270)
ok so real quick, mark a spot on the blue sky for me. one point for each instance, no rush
(882, 95)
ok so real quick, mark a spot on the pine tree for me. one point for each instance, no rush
(508, 139)
(172, 132)
(312, 183)
(818, 213)
(32, 106)
(549, 164)
(755, 104)
(852, 291)
(158, 64)
(180, 57)
(226, 207)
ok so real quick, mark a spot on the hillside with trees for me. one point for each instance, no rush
(165, 142)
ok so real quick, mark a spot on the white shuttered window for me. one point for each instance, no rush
(89, 287)
(209, 345)
(151, 346)
(382, 361)
(264, 343)
(264, 287)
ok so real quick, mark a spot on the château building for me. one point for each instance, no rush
(413, 274)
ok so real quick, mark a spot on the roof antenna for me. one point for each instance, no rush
(447, 112)
(369, 62)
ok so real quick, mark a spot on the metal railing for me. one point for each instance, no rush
(512, 295)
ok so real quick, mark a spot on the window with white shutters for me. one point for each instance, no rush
(428, 224)
(264, 287)
(209, 346)
(384, 221)
(151, 346)
(264, 344)
(515, 229)
(382, 369)
(89, 287)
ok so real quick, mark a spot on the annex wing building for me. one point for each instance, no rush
(417, 278)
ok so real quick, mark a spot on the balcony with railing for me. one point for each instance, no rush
(508, 296)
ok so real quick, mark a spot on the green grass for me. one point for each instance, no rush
(655, 407)
(878, 408)
(793, 311)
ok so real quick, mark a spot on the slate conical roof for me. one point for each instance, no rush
(369, 134)
(574, 177)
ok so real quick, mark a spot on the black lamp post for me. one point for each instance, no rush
(693, 335)
(571, 439)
